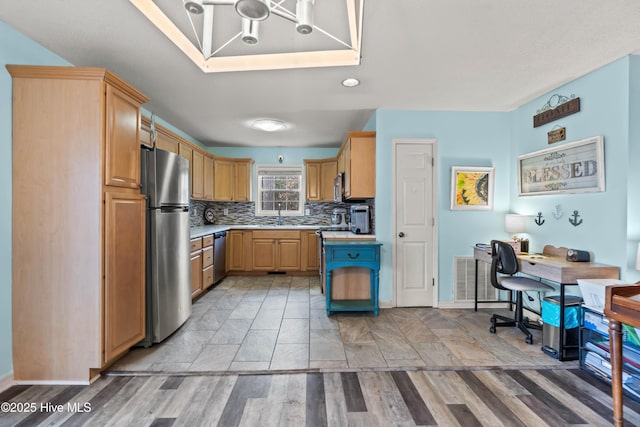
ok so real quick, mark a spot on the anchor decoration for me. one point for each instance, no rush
(558, 212)
(539, 219)
(574, 219)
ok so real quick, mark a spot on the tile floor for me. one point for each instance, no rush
(279, 323)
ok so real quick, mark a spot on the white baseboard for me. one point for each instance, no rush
(6, 382)
(385, 304)
(452, 304)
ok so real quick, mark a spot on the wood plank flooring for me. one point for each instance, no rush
(419, 397)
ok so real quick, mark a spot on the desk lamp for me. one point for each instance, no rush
(514, 223)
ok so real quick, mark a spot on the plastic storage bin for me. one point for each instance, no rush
(551, 325)
(593, 290)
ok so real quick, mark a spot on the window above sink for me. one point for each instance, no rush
(280, 190)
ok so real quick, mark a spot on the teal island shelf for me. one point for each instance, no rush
(359, 253)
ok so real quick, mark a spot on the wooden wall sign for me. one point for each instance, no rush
(556, 135)
(563, 110)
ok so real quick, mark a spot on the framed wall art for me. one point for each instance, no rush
(575, 167)
(472, 188)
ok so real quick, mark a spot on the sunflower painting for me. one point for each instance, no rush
(471, 188)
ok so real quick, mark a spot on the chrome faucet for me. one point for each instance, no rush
(279, 217)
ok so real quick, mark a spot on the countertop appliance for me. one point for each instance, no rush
(219, 256)
(338, 187)
(360, 219)
(338, 217)
(165, 182)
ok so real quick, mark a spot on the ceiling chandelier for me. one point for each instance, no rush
(251, 15)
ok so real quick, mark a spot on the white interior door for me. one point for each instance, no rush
(414, 206)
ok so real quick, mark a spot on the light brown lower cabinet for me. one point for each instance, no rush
(239, 250)
(207, 262)
(276, 250)
(196, 267)
(124, 316)
(310, 257)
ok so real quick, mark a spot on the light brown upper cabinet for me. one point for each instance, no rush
(320, 175)
(197, 175)
(167, 142)
(122, 152)
(76, 157)
(358, 154)
(145, 132)
(232, 179)
(208, 178)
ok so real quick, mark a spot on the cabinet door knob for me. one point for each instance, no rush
(401, 234)
(353, 256)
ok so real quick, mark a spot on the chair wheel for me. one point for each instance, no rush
(492, 329)
(528, 340)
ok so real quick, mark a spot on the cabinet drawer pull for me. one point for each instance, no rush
(352, 256)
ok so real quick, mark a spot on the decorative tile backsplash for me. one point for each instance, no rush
(243, 213)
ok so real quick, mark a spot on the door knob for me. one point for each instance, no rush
(401, 234)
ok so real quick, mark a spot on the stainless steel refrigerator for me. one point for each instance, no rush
(165, 182)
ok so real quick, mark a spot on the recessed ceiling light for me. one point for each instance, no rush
(350, 82)
(269, 125)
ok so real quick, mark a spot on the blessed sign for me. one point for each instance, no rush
(576, 167)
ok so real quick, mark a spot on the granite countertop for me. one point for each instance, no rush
(204, 230)
(329, 235)
(346, 235)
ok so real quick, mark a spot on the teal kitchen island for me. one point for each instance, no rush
(340, 254)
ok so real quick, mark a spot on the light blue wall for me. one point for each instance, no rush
(633, 171)
(14, 49)
(605, 102)
(463, 139)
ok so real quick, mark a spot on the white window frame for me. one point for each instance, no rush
(261, 170)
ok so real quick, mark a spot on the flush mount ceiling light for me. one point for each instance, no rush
(208, 41)
(268, 125)
(350, 82)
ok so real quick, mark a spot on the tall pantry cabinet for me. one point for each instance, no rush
(78, 250)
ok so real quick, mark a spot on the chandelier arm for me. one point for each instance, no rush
(218, 2)
(284, 15)
(225, 45)
(193, 27)
(207, 31)
(278, 6)
(332, 36)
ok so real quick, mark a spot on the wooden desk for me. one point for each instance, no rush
(555, 268)
(620, 307)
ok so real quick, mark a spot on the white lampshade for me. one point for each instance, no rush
(638, 258)
(515, 223)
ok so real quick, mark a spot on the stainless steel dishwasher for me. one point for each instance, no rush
(219, 256)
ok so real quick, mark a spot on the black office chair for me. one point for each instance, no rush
(504, 265)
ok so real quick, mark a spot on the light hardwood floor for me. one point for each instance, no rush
(262, 352)
(463, 397)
